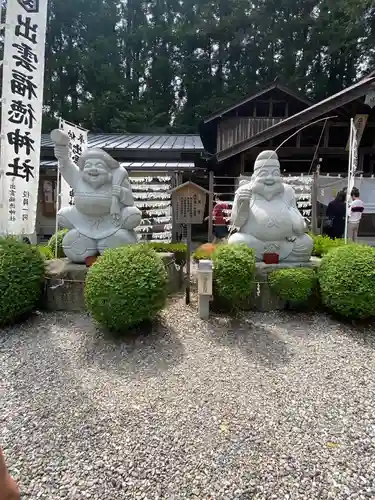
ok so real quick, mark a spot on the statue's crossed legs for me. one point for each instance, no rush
(296, 249)
(77, 247)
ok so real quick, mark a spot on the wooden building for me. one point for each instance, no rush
(277, 117)
(265, 120)
(155, 164)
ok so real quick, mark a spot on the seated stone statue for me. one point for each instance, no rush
(104, 215)
(266, 216)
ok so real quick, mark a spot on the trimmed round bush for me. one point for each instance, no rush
(52, 243)
(293, 285)
(126, 286)
(347, 281)
(21, 277)
(234, 273)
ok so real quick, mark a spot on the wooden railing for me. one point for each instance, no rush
(235, 130)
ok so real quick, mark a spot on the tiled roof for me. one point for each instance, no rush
(139, 165)
(139, 142)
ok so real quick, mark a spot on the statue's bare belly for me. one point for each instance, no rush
(269, 221)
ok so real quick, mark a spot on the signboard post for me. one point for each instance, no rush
(188, 205)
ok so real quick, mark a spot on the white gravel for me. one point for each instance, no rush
(273, 406)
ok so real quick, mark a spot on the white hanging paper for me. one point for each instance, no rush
(21, 119)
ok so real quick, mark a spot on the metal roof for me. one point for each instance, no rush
(139, 165)
(333, 102)
(138, 142)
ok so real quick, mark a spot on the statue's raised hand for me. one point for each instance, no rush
(244, 193)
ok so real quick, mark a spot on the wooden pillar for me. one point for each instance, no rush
(326, 135)
(242, 170)
(210, 204)
(314, 201)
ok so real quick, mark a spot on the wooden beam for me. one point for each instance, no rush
(242, 163)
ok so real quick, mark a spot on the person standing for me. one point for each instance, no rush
(219, 219)
(335, 216)
(356, 209)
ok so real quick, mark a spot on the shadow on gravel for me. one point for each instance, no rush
(149, 350)
(261, 344)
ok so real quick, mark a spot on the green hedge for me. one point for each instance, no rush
(294, 285)
(179, 249)
(234, 273)
(347, 281)
(45, 252)
(324, 244)
(126, 286)
(52, 243)
(22, 269)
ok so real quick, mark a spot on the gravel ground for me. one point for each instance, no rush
(271, 406)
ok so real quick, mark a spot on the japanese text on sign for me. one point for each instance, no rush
(23, 75)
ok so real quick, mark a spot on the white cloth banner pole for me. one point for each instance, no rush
(78, 144)
(349, 177)
(21, 118)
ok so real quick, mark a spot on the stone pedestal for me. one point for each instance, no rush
(266, 300)
(64, 287)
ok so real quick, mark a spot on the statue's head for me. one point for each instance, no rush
(97, 167)
(266, 179)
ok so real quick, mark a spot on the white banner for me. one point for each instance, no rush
(21, 119)
(360, 122)
(78, 144)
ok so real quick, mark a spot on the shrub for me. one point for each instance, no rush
(52, 243)
(21, 278)
(179, 249)
(347, 281)
(234, 272)
(324, 244)
(294, 285)
(204, 252)
(45, 252)
(126, 286)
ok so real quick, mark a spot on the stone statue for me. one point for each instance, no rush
(104, 215)
(266, 214)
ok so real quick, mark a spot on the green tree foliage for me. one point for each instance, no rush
(161, 65)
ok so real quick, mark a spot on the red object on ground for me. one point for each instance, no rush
(89, 261)
(271, 258)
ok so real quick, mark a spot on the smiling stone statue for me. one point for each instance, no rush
(266, 214)
(104, 215)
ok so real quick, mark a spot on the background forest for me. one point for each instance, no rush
(162, 65)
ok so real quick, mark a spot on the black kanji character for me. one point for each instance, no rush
(72, 135)
(77, 150)
(25, 202)
(21, 114)
(22, 84)
(24, 171)
(31, 6)
(25, 57)
(71, 193)
(19, 141)
(75, 158)
(81, 139)
(29, 30)
(25, 216)
(26, 194)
